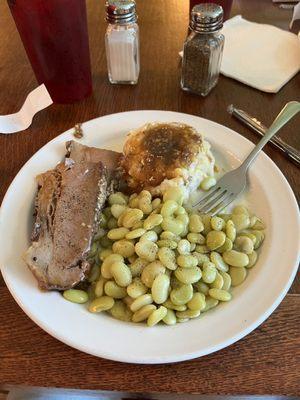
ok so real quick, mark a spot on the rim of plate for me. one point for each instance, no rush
(182, 355)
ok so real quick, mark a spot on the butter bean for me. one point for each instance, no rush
(151, 271)
(143, 313)
(187, 261)
(240, 210)
(218, 261)
(238, 275)
(193, 246)
(219, 294)
(124, 247)
(195, 224)
(252, 259)
(145, 204)
(121, 273)
(146, 249)
(208, 183)
(210, 303)
(184, 219)
(107, 263)
(188, 275)
(201, 258)
(182, 320)
(137, 225)
(173, 225)
(197, 302)
(131, 216)
(156, 203)
(160, 288)
(256, 223)
(201, 248)
(171, 244)
(188, 314)
(103, 254)
(120, 311)
(167, 235)
(117, 210)
(136, 288)
(167, 258)
(150, 235)
(118, 198)
(173, 306)
(112, 223)
(168, 208)
(133, 201)
(117, 233)
(218, 282)
(170, 318)
(235, 258)
(183, 246)
(230, 230)
(156, 316)
(241, 221)
(259, 238)
(113, 290)
(174, 193)
(226, 246)
(196, 238)
(182, 295)
(226, 280)
(217, 223)
(215, 239)
(152, 221)
(99, 304)
(137, 267)
(209, 272)
(99, 287)
(141, 301)
(205, 218)
(244, 244)
(76, 296)
(201, 287)
(136, 233)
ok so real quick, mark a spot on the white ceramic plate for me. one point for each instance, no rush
(269, 196)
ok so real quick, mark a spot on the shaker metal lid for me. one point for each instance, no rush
(120, 11)
(206, 17)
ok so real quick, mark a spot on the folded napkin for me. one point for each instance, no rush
(259, 55)
(36, 101)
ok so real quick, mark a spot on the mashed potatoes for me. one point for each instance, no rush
(160, 155)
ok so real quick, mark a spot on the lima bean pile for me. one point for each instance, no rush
(155, 261)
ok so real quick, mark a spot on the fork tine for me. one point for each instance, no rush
(224, 203)
(213, 202)
(209, 195)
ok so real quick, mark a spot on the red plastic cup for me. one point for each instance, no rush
(55, 36)
(226, 4)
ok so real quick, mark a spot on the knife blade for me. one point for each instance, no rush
(259, 128)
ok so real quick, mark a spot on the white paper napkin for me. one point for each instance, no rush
(36, 101)
(259, 55)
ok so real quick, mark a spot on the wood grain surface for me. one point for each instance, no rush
(266, 361)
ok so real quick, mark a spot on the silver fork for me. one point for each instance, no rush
(234, 182)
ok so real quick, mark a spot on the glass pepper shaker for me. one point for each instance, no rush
(122, 42)
(203, 49)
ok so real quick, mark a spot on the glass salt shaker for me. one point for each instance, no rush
(202, 53)
(122, 42)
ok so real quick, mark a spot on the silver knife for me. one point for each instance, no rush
(258, 127)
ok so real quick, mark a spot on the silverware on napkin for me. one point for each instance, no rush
(258, 127)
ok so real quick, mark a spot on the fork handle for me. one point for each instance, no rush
(287, 113)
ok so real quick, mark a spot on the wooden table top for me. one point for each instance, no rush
(264, 362)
